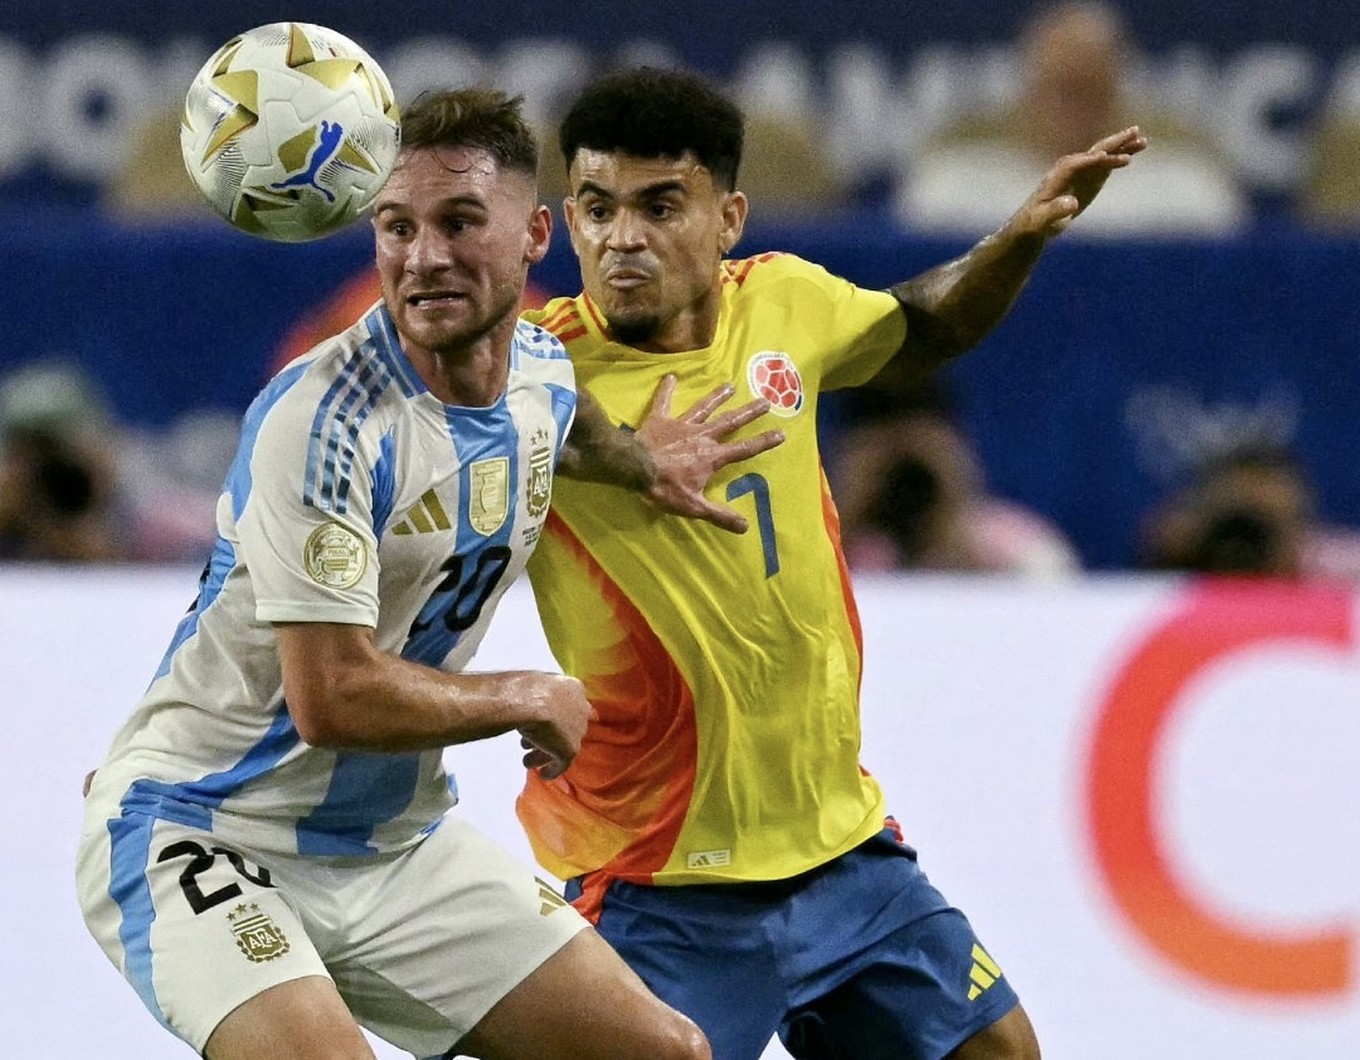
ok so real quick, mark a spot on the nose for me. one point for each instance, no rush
(427, 252)
(627, 231)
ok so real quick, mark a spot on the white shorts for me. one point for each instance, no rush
(419, 943)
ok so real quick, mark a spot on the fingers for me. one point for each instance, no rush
(549, 766)
(731, 452)
(702, 409)
(661, 400)
(1125, 142)
(1055, 215)
(723, 518)
(1092, 165)
(1061, 206)
(738, 418)
(705, 406)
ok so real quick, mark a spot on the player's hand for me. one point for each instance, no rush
(558, 711)
(1074, 181)
(688, 449)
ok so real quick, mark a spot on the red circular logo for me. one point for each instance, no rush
(773, 377)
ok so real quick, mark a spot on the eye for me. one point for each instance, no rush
(597, 212)
(662, 210)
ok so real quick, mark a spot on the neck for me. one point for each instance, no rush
(471, 374)
(693, 328)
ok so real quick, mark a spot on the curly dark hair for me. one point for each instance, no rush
(651, 112)
(472, 117)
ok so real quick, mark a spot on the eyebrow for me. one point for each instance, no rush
(649, 191)
(457, 201)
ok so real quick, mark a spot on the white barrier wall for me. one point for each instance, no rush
(1143, 792)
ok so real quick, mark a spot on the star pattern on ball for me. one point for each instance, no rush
(241, 89)
(334, 72)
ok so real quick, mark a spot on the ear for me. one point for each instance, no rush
(538, 235)
(569, 212)
(734, 209)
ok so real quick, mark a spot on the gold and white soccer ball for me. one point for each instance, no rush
(290, 130)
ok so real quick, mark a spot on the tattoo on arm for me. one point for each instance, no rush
(597, 451)
(953, 306)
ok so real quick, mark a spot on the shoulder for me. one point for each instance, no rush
(538, 358)
(780, 273)
(562, 318)
(788, 286)
(753, 273)
(534, 340)
(338, 385)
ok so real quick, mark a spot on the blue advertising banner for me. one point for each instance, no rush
(1086, 403)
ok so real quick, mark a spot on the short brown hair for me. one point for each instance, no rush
(472, 117)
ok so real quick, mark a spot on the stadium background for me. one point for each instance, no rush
(988, 758)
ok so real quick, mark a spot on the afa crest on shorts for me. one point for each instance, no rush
(774, 377)
(258, 937)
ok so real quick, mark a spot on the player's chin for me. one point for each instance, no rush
(439, 332)
(633, 327)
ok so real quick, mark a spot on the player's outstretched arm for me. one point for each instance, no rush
(669, 458)
(953, 306)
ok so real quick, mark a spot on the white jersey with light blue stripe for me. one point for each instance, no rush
(355, 497)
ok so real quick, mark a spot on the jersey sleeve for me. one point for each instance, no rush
(306, 528)
(858, 329)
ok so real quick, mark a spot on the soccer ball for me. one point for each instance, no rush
(290, 130)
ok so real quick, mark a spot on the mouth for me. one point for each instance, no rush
(626, 279)
(433, 299)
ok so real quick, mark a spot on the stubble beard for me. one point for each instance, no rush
(453, 339)
(634, 331)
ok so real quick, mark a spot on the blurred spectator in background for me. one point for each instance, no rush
(77, 486)
(57, 495)
(152, 186)
(1074, 63)
(1329, 196)
(912, 496)
(785, 170)
(1249, 510)
(171, 479)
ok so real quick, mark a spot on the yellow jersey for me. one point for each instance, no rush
(724, 669)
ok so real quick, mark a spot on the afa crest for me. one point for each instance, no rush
(538, 490)
(258, 937)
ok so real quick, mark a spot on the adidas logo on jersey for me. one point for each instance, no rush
(425, 517)
(708, 859)
(983, 973)
(549, 900)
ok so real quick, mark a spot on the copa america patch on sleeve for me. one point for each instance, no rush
(335, 556)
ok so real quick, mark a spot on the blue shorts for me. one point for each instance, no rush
(858, 959)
